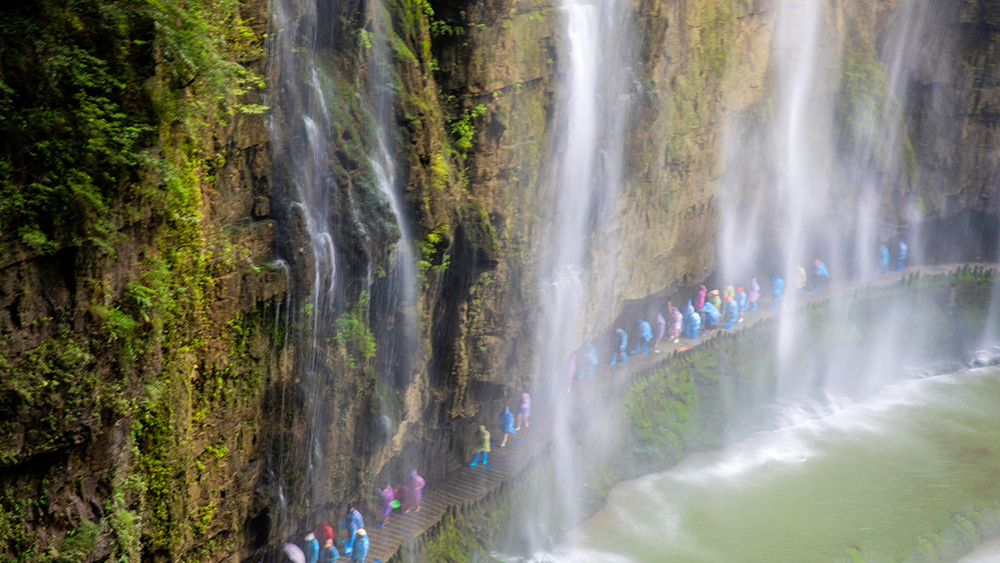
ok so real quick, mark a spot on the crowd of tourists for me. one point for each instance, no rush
(318, 545)
(506, 423)
(708, 311)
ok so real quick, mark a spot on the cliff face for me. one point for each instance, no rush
(153, 362)
(137, 307)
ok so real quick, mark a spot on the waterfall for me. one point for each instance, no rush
(818, 177)
(382, 98)
(301, 136)
(589, 134)
(325, 190)
(574, 193)
(801, 192)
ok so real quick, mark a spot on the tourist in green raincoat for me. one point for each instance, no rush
(482, 446)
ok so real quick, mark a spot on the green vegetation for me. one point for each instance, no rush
(14, 536)
(434, 258)
(77, 137)
(354, 336)
(78, 544)
(108, 112)
(464, 130)
(865, 105)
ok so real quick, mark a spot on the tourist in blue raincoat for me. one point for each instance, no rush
(622, 345)
(712, 315)
(481, 450)
(506, 423)
(901, 258)
(885, 259)
(328, 553)
(732, 312)
(645, 335)
(692, 321)
(822, 275)
(352, 522)
(589, 359)
(777, 285)
(360, 546)
(741, 301)
(310, 547)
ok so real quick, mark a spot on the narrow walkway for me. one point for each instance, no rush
(467, 485)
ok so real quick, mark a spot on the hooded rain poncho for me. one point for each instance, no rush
(754, 294)
(821, 270)
(732, 311)
(310, 548)
(676, 322)
(416, 485)
(506, 421)
(712, 314)
(482, 440)
(645, 331)
(387, 498)
(699, 301)
(360, 547)
(714, 299)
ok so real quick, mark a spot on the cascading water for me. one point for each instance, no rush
(381, 94)
(801, 192)
(584, 183)
(301, 139)
(569, 238)
(822, 176)
(312, 134)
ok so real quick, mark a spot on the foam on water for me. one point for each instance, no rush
(877, 473)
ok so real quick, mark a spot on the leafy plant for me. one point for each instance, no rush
(78, 544)
(354, 335)
(433, 249)
(465, 130)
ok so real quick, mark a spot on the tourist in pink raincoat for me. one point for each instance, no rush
(387, 497)
(676, 323)
(754, 295)
(524, 410)
(661, 329)
(416, 485)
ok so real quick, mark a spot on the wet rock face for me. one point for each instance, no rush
(134, 378)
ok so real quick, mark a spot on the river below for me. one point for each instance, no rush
(909, 474)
